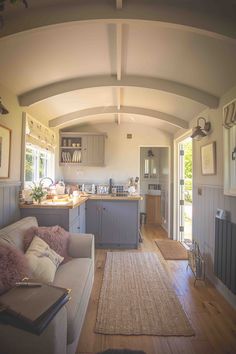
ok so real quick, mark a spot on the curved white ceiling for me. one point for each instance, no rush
(194, 54)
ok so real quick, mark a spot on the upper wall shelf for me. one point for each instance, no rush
(85, 149)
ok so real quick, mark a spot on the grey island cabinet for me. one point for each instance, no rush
(70, 218)
(114, 223)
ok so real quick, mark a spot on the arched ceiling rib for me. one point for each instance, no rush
(41, 93)
(120, 47)
(113, 12)
(123, 110)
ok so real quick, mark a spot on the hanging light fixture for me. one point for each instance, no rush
(150, 153)
(3, 109)
(200, 131)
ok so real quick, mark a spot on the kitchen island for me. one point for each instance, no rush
(114, 220)
(69, 215)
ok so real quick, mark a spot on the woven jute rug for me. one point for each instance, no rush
(137, 298)
(172, 250)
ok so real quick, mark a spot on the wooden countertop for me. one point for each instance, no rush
(74, 204)
(57, 205)
(111, 197)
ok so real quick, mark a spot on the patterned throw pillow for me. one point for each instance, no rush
(43, 261)
(55, 236)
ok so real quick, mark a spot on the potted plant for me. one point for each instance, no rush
(37, 192)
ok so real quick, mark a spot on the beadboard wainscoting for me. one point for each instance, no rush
(9, 200)
(206, 200)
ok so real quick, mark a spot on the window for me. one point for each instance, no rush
(39, 163)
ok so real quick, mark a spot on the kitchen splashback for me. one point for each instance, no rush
(121, 188)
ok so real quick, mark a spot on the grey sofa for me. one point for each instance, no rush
(62, 334)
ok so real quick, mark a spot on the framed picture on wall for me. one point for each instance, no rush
(5, 150)
(208, 159)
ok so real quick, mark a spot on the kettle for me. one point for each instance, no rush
(60, 187)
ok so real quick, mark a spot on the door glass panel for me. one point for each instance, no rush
(153, 168)
(185, 191)
(146, 168)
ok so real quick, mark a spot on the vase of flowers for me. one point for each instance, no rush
(37, 192)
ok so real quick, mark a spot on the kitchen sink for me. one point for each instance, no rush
(56, 202)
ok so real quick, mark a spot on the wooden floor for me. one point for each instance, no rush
(212, 319)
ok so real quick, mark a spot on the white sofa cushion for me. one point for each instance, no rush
(43, 261)
(77, 274)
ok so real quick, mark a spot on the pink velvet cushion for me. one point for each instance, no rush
(13, 267)
(55, 236)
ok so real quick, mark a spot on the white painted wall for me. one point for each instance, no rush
(13, 120)
(122, 156)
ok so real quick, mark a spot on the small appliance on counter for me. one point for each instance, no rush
(103, 189)
(89, 188)
(110, 186)
(26, 196)
(133, 186)
(60, 187)
(119, 190)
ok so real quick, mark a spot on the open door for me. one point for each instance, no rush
(185, 167)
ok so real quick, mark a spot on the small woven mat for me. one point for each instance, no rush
(137, 298)
(172, 250)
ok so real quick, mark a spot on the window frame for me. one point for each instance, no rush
(49, 156)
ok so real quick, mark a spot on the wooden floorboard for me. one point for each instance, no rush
(212, 318)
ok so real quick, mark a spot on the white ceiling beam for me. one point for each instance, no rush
(176, 88)
(177, 17)
(118, 92)
(90, 112)
(119, 4)
(118, 118)
(118, 115)
(118, 50)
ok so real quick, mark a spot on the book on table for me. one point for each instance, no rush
(32, 308)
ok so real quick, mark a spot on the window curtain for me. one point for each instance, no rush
(230, 115)
(39, 135)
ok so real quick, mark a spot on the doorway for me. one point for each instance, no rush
(184, 200)
(155, 186)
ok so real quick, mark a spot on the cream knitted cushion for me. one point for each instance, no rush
(43, 261)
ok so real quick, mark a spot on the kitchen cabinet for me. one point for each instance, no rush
(153, 209)
(72, 220)
(86, 149)
(114, 223)
(77, 219)
(93, 153)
